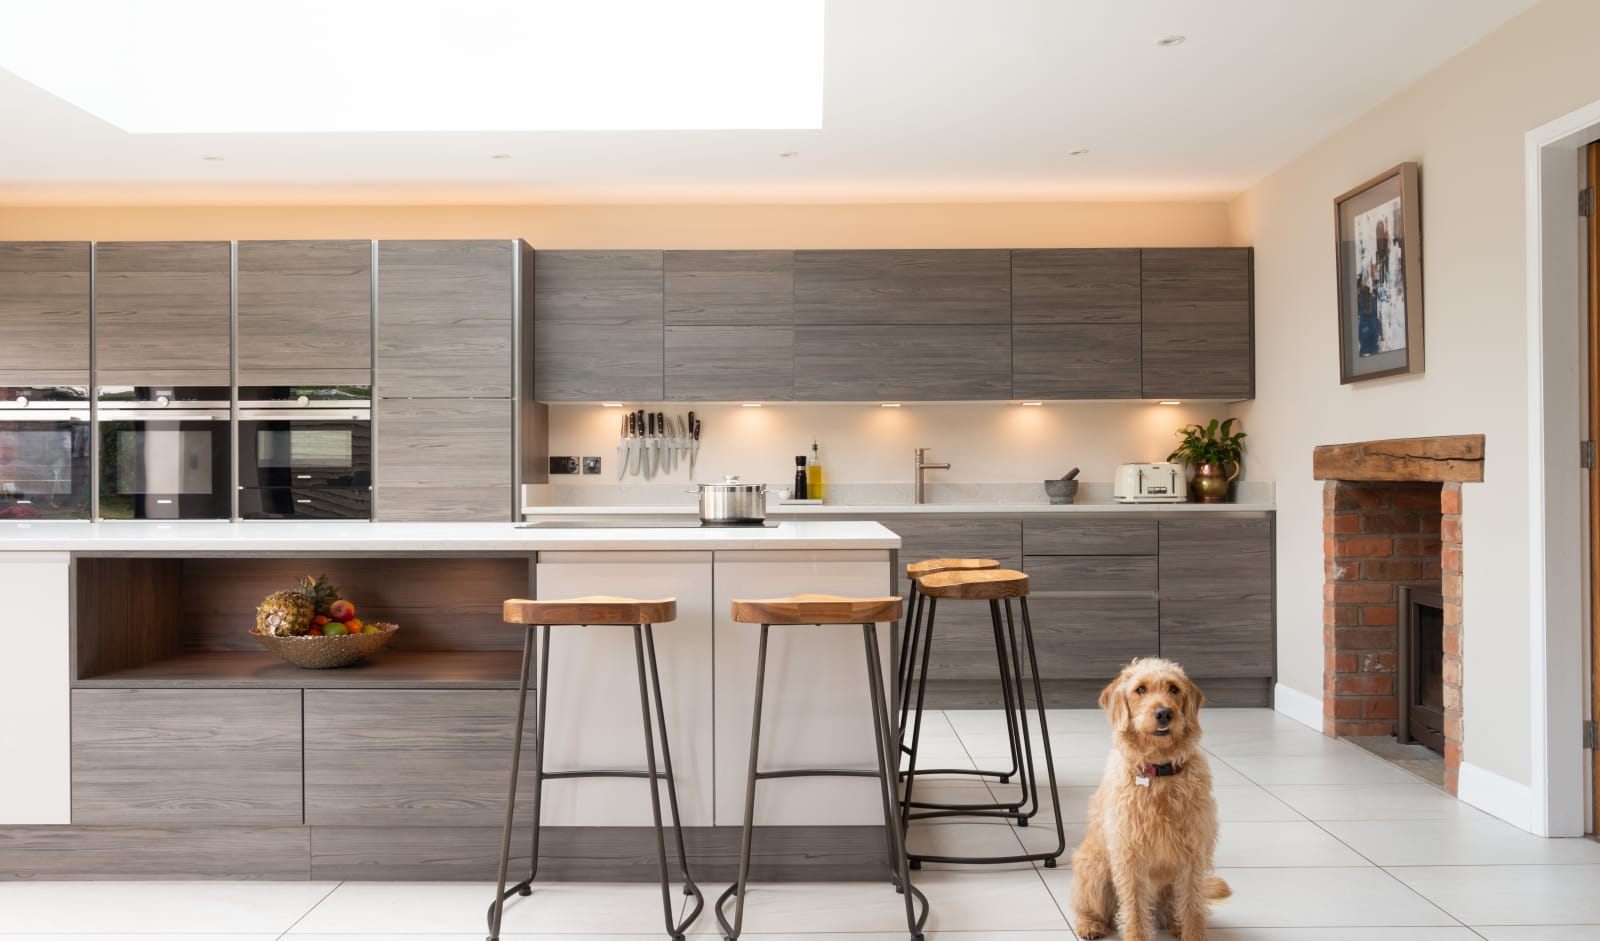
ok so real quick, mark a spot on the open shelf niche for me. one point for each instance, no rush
(183, 622)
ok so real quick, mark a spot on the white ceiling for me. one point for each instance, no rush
(925, 100)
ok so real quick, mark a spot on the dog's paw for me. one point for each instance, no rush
(1091, 928)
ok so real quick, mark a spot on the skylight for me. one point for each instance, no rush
(224, 66)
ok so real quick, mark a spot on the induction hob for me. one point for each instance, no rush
(624, 524)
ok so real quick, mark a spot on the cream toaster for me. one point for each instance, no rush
(1160, 482)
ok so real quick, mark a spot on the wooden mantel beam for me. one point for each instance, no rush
(1442, 458)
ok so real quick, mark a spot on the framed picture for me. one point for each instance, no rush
(1379, 244)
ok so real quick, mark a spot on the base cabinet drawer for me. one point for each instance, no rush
(412, 757)
(143, 757)
(1092, 638)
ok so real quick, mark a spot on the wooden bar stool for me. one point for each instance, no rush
(539, 617)
(994, 586)
(819, 610)
(1010, 688)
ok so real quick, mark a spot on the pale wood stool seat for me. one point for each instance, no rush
(990, 585)
(590, 609)
(816, 609)
(916, 570)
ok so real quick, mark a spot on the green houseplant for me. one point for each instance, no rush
(1210, 449)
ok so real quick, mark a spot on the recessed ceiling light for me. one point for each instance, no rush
(1173, 40)
(790, 153)
(1081, 151)
(481, 58)
(1170, 402)
(499, 156)
(213, 158)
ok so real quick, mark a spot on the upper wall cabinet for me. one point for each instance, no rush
(1197, 323)
(162, 312)
(1075, 317)
(598, 326)
(44, 313)
(304, 312)
(730, 325)
(446, 319)
(903, 287)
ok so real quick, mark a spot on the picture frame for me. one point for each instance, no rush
(1378, 241)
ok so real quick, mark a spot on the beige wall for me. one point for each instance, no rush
(1465, 124)
(953, 225)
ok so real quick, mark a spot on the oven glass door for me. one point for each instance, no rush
(44, 468)
(305, 452)
(164, 468)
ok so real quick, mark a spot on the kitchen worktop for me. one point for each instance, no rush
(335, 538)
(816, 511)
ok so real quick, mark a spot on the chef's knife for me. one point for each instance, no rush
(649, 446)
(635, 445)
(683, 441)
(662, 463)
(622, 448)
(694, 444)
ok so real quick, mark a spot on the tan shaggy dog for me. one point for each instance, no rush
(1153, 820)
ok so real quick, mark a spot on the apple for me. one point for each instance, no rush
(341, 610)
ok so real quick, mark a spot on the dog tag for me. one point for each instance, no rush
(1142, 781)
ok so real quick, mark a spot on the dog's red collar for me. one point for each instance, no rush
(1166, 770)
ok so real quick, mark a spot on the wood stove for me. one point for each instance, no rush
(1419, 683)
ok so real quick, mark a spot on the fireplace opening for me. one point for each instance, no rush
(1420, 673)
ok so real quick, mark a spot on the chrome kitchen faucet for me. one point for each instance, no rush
(917, 486)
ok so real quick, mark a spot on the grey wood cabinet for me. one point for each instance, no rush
(1216, 596)
(1092, 637)
(741, 288)
(186, 758)
(1114, 573)
(446, 315)
(1089, 535)
(443, 459)
(1075, 361)
(914, 287)
(304, 312)
(1075, 285)
(44, 313)
(425, 758)
(1198, 322)
(162, 313)
(715, 363)
(598, 326)
(911, 363)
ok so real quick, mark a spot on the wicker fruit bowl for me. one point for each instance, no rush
(321, 653)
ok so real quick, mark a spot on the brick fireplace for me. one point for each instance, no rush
(1391, 518)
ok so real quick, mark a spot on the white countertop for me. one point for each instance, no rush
(829, 510)
(334, 538)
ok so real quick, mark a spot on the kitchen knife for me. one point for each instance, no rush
(663, 463)
(694, 445)
(622, 448)
(683, 441)
(635, 445)
(649, 444)
(688, 444)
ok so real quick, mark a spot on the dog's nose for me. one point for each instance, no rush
(1164, 715)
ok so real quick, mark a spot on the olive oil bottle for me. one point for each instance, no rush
(814, 474)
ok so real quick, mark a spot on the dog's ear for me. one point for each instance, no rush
(1193, 699)
(1115, 702)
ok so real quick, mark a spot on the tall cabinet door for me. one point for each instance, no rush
(1075, 323)
(1216, 596)
(598, 327)
(446, 313)
(44, 313)
(305, 312)
(162, 313)
(1198, 323)
(443, 459)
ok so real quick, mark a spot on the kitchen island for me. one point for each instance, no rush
(159, 740)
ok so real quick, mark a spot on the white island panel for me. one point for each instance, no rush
(35, 738)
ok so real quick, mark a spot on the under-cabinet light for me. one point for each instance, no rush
(298, 66)
(610, 404)
(752, 405)
(889, 405)
(1170, 402)
(1032, 403)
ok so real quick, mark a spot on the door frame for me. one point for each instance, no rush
(1590, 246)
(1558, 619)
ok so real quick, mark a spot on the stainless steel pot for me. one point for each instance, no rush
(732, 502)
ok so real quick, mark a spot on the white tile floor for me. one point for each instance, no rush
(1320, 841)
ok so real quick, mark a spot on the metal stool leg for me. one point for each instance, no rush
(886, 776)
(689, 887)
(674, 930)
(1044, 735)
(910, 774)
(737, 889)
(540, 717)
(497, 908)
(906, 667)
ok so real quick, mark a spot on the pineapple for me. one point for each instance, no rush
(318, 592)
(283, 613)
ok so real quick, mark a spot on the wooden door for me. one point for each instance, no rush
(1197, 338)
(444, 322)
(161, 313)
(1593, 230)
(305, 313)
(44, 313)
(598, 326)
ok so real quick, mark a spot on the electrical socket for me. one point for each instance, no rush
(591, 465)
(563, 465)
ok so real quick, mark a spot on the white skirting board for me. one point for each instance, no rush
(1502, 797)
(1306, 710)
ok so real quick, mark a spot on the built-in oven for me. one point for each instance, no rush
(166, 452)
(305, 452)
(46, 464)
